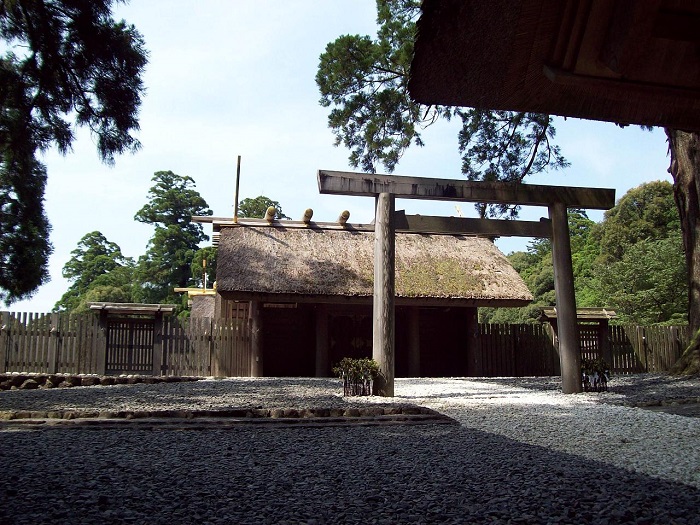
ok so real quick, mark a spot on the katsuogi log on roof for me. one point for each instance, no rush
(310, 264)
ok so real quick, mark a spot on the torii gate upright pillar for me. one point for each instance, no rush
(567, 330)
(383, 342)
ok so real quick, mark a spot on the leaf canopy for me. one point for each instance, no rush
(173, 201)
(66, 63)
(256, 208)
(95, 262)
(364, 82)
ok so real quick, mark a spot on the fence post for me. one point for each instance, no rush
(477, 363)
(207, 368)
(53, 344)
(323, 366)
(642, 347)
(100, 342)
(158, 344)
(678, 344)
(217, 344)
(4, 340)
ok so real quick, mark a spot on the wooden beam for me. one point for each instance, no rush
(158, 345)
(99, 342)
(677, 25)
(54, 343)
(431, 224)
(370, 185)
(323, 367)
(414, 341)
(471, 226)
(5, 320)
(367, 300)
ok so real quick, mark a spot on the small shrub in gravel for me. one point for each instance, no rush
(595, 374)
(358, 375)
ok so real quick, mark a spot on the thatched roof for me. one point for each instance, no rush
(633, 62)
(335, 264)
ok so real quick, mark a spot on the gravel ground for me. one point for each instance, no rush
(523, 453)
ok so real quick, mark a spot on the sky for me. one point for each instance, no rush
(236, 77)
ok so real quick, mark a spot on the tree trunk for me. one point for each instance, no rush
(685, 170)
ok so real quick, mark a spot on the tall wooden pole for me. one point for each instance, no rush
(158, 344)
(569, 352)
(256, 340)
(383, 323)
(235, 198)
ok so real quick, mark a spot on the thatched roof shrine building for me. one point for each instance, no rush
(310, 288)
(338, 266)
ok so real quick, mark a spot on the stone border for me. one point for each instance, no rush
(195, 419)
(30, 381)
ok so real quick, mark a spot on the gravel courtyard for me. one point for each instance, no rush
(521, 453)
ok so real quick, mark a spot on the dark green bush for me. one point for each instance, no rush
(357, 374)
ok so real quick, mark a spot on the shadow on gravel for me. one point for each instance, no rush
(427, 474)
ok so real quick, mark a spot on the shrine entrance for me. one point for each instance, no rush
(130, 333)
(386, 189)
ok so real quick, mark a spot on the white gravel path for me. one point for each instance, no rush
(523, 453)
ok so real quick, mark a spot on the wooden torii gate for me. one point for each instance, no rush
(385, 189)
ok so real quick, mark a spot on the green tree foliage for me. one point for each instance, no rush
(173, 202)
(257, 207)
(641, 269)
(364, 80)
(198, 266)
(536, 268)
(65, 61)
(649, 284)
(632, 262)
(506, 146)
(98, 272)
(646, 212)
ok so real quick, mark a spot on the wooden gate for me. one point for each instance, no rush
(129, 346)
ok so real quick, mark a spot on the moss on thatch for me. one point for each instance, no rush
(278, 260)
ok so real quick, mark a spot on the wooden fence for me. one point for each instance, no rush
(637, 349)
(49, 343)
(508, 350)
(78, 344)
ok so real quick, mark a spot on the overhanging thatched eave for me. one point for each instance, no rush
(624, 61)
